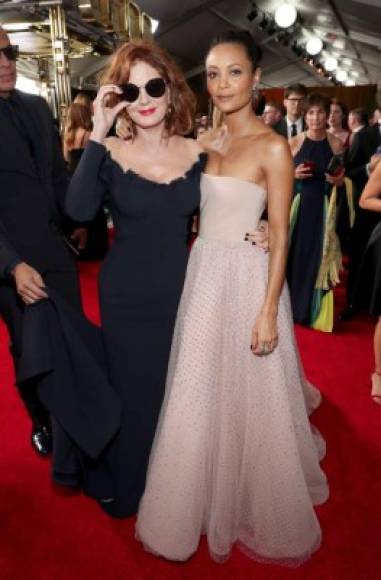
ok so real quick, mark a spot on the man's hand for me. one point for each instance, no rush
(79, 237)
(29, 283)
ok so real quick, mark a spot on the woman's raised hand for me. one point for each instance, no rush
(104, 116)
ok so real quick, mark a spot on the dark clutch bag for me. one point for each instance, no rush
(336, 165)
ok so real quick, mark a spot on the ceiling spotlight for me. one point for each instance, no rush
(253, 12)
(154, 25)
(314, 45)
(341, 75)
(347, 61)
(355, 74)
(330, 63)
(350, 83)
(285, 15)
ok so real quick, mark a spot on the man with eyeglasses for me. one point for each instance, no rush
(33, 253)
(293, 123)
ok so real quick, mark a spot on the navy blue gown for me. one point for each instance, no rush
(307, 234)
(140, 285)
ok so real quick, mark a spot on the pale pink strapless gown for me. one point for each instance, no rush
(234, 456)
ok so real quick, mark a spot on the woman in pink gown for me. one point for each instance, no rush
(234, 456)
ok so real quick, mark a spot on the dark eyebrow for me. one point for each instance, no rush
(229, 66)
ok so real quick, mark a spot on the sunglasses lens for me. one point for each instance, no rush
(155, 88)
(10, 52)
(130, 92)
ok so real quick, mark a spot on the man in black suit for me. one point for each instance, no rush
(33, 253)
(363, 144)
(293, 123)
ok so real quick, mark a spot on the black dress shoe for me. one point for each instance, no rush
(347, 313)
(42, 440)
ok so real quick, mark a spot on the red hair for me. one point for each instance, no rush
(180, 116)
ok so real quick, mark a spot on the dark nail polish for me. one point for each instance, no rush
(253, 243)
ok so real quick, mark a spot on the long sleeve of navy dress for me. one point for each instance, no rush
(140, 285)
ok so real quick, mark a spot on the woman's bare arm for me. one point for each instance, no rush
(370, 197)
(279, 170)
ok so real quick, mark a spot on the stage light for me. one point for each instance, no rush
(341, 75)
(285, 15)
(330, 63)
(355, 74)
(154, 25)
(350, 83)
(314, 45)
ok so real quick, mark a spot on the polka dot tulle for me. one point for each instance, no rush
(234, 456)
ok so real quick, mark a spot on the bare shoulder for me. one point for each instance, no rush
(335, 143)
(272, 146)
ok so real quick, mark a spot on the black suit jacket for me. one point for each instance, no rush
(281, 127)
(32, 188)
(363, 146)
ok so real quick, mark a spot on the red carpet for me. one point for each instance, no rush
(47, 534)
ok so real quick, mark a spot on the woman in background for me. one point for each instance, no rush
(338, 122)
(313, 264)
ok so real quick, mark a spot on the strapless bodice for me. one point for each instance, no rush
(230, 207)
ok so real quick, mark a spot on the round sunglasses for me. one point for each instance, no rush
(11, 51)
(155, 88)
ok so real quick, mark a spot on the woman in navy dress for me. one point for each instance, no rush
(312, 151)
(152, 180)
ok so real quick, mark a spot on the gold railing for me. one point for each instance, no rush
(60, 50)
(123, 17)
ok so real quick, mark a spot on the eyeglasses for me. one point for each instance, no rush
(154, 88)
(11, 51)
(296, 99)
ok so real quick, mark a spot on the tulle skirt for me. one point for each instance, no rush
(235, 456)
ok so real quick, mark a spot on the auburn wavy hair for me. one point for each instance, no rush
(180, 117)
(78, 117)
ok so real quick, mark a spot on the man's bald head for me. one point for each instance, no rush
(7, 66)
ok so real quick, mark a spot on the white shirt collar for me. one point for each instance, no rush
(298, 123)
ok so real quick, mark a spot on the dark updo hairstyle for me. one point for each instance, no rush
(244, 39)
